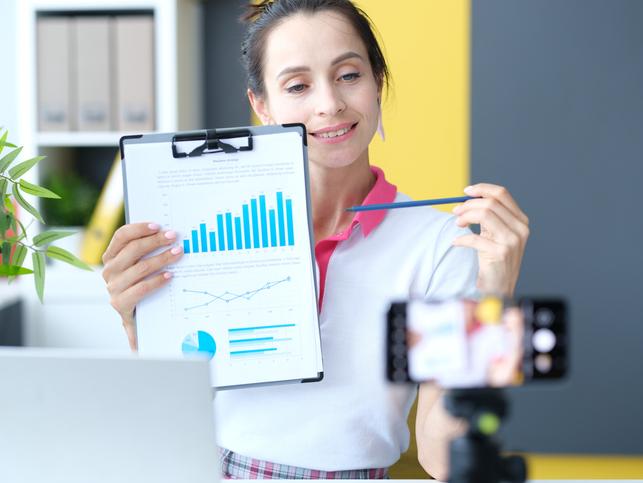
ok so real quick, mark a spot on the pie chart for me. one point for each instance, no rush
(199, 344)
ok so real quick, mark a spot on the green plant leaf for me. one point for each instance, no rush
(3, 186)
(50, 236)
(18, 257)
(8, 159)
(20, 169)
(13, 270)
(22, 202)
(6, 253)
(63, 255)
(3, 140)
(39, 265)
(34, 189)
(5, 222)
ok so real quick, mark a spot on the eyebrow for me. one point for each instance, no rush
(303, 68)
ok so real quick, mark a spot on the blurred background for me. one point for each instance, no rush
(542, 96)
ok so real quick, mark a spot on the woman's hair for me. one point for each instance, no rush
(262, 17)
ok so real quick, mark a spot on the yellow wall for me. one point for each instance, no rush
(426, 115)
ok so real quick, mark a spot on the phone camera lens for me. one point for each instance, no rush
(544, 317)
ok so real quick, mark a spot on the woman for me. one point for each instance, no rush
(317, 62)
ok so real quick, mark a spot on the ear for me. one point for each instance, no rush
(260, 107)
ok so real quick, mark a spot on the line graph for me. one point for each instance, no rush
(228, 297)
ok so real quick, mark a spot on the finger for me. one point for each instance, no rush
(125, 234)
(491, 204)
(137, 249)
(126, 301)
(502, 194)
(479, 243)
(493, 227)
(143, 268)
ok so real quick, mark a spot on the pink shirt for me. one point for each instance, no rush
(382, 192)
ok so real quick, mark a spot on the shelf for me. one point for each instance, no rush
(77, 139)
(77, 309)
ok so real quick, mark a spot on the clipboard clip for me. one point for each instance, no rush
(211, 142)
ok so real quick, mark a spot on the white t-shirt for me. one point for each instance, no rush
(354, 418)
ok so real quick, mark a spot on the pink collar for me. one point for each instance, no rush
(382, 192)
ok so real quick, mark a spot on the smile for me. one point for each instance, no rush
(336, 134)
(333, 134)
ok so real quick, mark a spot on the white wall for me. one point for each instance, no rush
(10, 52)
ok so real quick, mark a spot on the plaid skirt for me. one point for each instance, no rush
(237, 467)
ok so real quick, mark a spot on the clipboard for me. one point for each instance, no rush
(244, 293)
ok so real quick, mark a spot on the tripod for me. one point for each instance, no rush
(475, 457)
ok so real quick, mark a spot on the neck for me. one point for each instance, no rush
(335, 189)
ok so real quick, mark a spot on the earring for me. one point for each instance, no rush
(380, 124)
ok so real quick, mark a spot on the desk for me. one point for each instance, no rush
(418, 481)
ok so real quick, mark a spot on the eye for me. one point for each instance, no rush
(350, 77)
(295, 89)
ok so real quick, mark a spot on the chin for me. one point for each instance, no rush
(326, 159)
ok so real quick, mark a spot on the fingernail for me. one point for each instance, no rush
(456, 209)
(153, 226)
(167, 275)
(175, 250)
(468, 190)
(170, 234)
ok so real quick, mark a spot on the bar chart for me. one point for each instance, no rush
(261, 340)
(254, 226)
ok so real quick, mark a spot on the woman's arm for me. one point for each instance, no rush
(434, 429)
(500, 246)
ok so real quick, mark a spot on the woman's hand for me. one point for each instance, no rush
(504, 230)
(129, 277)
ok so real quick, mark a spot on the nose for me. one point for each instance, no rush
(329, 101)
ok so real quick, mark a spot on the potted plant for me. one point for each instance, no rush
(14, 242)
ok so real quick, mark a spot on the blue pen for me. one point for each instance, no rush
(408, 204)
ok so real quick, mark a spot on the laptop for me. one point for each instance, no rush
(69, 416)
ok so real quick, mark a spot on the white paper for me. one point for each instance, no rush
(250, 306)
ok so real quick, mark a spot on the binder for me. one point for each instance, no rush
(53, 76)
(106, 216)
(92, 62)
(243, 294)
(134, 45)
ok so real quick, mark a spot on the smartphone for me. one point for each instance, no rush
(467, 343)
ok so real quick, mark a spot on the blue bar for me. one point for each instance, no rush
(221, 232)
(195, 241)
(246, 226)
(264, 221)
(213, 243)
(204, 238)
(255, 224)
(228, 225)
(186, 246)
(253, 351)
(237, 230)
(280, 219)
(239, 341)
(239, 329)
(273, 229)
(291, 231)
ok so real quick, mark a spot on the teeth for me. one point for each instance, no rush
(333, 134)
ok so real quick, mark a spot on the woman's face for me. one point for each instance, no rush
(317, 72)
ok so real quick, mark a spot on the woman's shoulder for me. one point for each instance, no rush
(425, 219)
